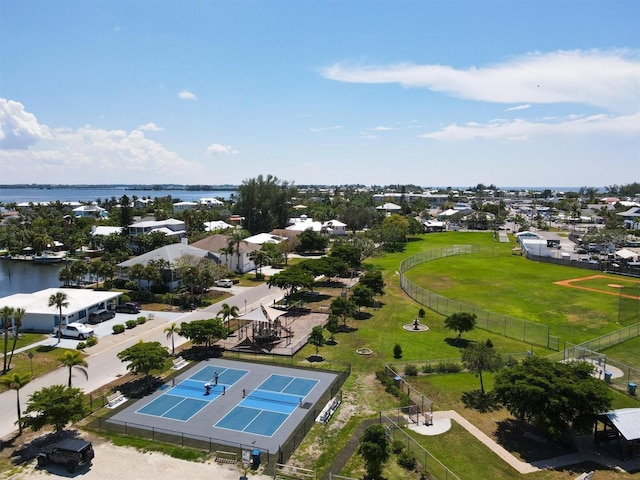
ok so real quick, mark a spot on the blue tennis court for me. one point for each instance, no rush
(184, 400)
(254, 406)
(263, 410)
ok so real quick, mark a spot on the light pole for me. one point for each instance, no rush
(245, 306)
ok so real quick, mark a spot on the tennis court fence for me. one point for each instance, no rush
(210, 444)
(505, 325)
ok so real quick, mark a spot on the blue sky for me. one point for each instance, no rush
(433, 93)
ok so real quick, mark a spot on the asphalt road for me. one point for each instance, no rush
(104, 365)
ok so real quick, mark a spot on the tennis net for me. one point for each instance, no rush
(275, 397)
(195, 385)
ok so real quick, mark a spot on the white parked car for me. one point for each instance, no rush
(74, 330)
(224, 282)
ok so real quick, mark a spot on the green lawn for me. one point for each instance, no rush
(497, 281)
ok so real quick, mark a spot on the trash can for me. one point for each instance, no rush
(632, 389)
(397, 380)
(607, 376)
(255, 458)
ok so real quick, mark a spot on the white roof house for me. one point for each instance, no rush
(217, 225)
(104, 231)
(173, 227)
(261, 238)
(40, 317)
(331, 227)
(182, 206)
(389, 207)
(211, 202)
(90, 211)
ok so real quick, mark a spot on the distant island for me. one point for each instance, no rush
(154, 187)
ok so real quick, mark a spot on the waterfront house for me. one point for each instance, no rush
(40, 317)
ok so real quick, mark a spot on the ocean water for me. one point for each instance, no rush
(90, 194)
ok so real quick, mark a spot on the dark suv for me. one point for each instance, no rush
(129, 307)
(71, 452)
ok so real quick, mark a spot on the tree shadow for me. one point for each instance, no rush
(362, 316)
(331, 342)
(458, 342)
(347, 329)
(140, 387)
(315, 358)
(28, 451)
(529, 442)
(483, 403)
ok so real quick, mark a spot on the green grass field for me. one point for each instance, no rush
(497, 281)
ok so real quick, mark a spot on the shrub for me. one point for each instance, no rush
(118, 328)
(397, 351)
(91, 341)
(130, 324)
(124, 298)
(81, 346)
(141, 320)
(397, 446)
(448, 367)
(421, 313)
(406, 459)
(428, 368)
(411, 370)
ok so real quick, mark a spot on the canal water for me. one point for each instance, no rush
(18, 276)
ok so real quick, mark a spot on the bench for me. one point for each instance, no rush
(178, 363)
(115, 399)
(226, 457)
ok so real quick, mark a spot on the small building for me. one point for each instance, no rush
(40, 317)
(620, 431)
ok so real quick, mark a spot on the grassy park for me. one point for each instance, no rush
(497, 281)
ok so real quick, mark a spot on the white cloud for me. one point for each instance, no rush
(187, 95)
(83, 155)
(19, 129)
(150, 127)
(516, 130)
(380, 128)
(518, 107)
(323, 129)
(368, 136)
(607, 79)
(217, 149)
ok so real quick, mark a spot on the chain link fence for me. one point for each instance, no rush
(510, 327)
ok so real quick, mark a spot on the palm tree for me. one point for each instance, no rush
(6, 313)
(228, 312)
(235, 240)
(259, 258)
(59, 300)
(16, 381)
(73, 359)
(171, 330)
(18, 315)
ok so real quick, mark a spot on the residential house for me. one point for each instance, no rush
(40, 317)
(238, 259)
(90, 211)
(182, 206)
(170, 226)
(169, 254)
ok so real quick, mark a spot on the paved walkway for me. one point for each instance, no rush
(588, 451)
